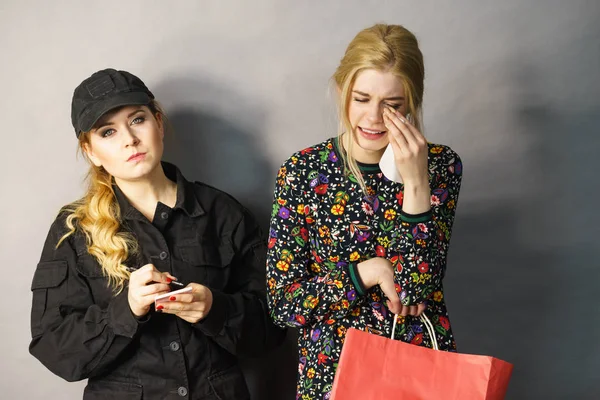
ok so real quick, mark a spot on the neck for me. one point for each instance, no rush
(361, 155)
(144, 194)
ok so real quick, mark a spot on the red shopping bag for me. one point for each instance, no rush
(373, 367)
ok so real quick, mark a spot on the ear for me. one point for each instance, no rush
(87, 149)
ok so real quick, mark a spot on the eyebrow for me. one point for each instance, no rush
(131, 114)
(388, 98)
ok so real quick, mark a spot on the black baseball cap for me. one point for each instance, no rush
(103, 91)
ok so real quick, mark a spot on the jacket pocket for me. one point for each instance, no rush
(210, 260)
(229, 384)
(48, 275)
(206, 253)
(111, 390)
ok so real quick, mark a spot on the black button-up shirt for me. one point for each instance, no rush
(81, 329)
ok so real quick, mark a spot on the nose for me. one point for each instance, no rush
(375, 113)
(130, 138)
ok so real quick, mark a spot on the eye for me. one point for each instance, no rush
(394, 106)
(361, 100)
(107, 133)
(138, 120)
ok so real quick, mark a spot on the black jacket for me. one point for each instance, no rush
(81, 329)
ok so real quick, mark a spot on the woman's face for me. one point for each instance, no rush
(127, 142)
(372, 91)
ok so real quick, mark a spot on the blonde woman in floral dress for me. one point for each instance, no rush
(348, 247)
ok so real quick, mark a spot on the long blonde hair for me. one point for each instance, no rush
(98, 216)
(390, 48)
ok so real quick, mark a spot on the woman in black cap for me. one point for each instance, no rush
(139, 232)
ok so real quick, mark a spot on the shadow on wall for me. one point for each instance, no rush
(221, 145)
(523, 276)
(217, 143)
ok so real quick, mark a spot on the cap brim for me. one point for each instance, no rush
(102, 107)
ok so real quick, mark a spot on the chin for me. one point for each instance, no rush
(138, 172)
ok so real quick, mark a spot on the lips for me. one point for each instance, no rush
(136, 157)
(371, 134)
(371, 131)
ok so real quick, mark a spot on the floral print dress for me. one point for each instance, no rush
(323, 225)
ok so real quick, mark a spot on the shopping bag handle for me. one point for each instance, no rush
(428, 326)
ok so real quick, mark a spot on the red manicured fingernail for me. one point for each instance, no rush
(159, 308)
(169, 280)
(172, 298)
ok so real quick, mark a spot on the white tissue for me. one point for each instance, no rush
(388, 165)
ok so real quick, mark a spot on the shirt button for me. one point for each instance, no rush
(164, 215)
(163, 255)
(174, 346)
(182, 391)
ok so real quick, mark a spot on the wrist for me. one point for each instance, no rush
(416, 198)
(416, 185)
(370, 271)
(357, 281)
(363, 276)
(139, 313)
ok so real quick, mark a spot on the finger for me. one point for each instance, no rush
(413, 136)
(394, 307)
(394, 130)
(149, 273)
(192, 318)
(406, 144)
(152, 275)
(396, 119)
(191, 314)
(173, 307)
(412, 310)
(147, 267)
(199, 291)
(162, 308)
(404, 311)
(148, 270)
(148, 300)
(139, 276)
(410, 124)
(396, 148)
(404, 127)
(400, 120)
(418, 137)
(169, 277)
(183, 298)
(153, 289)
(389, 291)
(399, 144)
(421, 309)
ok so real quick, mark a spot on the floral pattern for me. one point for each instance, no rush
(323, 224)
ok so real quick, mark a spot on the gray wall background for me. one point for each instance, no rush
(512, 86)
